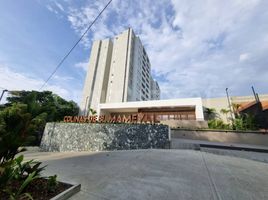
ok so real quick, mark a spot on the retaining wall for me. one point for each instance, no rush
(191, 124)
(98, 137)
(240, 137)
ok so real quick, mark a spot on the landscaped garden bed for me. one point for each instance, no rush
(21, 180)
(40, 188)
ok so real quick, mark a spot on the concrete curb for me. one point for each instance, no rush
(67, 193)
(221, 130)
(230, 147)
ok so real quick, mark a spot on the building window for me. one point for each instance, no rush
(143, 85)
(143, 92)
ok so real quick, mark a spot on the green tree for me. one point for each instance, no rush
(44, 102)
(245, 122)
(38, 108)
(210, 113)
(16, 129)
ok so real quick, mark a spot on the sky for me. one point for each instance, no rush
(196, 48)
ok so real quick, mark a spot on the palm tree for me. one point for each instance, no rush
(210, 113)
(225, 112)
(236, 107)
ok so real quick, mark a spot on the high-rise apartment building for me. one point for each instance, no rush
(95, 87)
(118, 71)
(155, 90)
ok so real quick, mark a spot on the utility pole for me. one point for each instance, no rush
(255, 94)
(231, 112)
(3, 94)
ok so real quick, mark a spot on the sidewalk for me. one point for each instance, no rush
(158, 174)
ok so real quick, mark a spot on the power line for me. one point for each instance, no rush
(64, 58)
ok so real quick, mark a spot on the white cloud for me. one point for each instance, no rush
(83, 65)
(62, 78)
(207, 41)
(59, 6)
(243, 57)
(81, 18)
(12, 80)
(49, 7)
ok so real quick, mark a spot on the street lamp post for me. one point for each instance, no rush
(227, 94)
(3, 94)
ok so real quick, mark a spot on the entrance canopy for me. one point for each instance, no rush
(178, 109)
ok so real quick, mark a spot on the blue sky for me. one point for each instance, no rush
(196, 48)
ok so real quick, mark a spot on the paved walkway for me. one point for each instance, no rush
(180, 143)
(159, 174)
(212, 147)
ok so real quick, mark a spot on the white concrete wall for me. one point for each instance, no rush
(134, 106)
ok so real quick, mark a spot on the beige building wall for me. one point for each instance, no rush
(119, 71)
(217, 104)
(102, 75)
(89, 77)
(96, 81)
(222, 103)
(245, 99)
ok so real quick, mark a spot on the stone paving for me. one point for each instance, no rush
(158, 174)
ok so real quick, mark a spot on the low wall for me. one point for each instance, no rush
(251, 138)
(185, 123)
(98, 137)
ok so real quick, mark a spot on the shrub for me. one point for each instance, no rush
(15, 130)
(23, 173)
(52, 183)
(6, 174)
(24, 169)
(217, 124)
(245, 122)
(19, 194)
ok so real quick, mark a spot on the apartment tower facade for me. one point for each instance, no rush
(118, 71)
